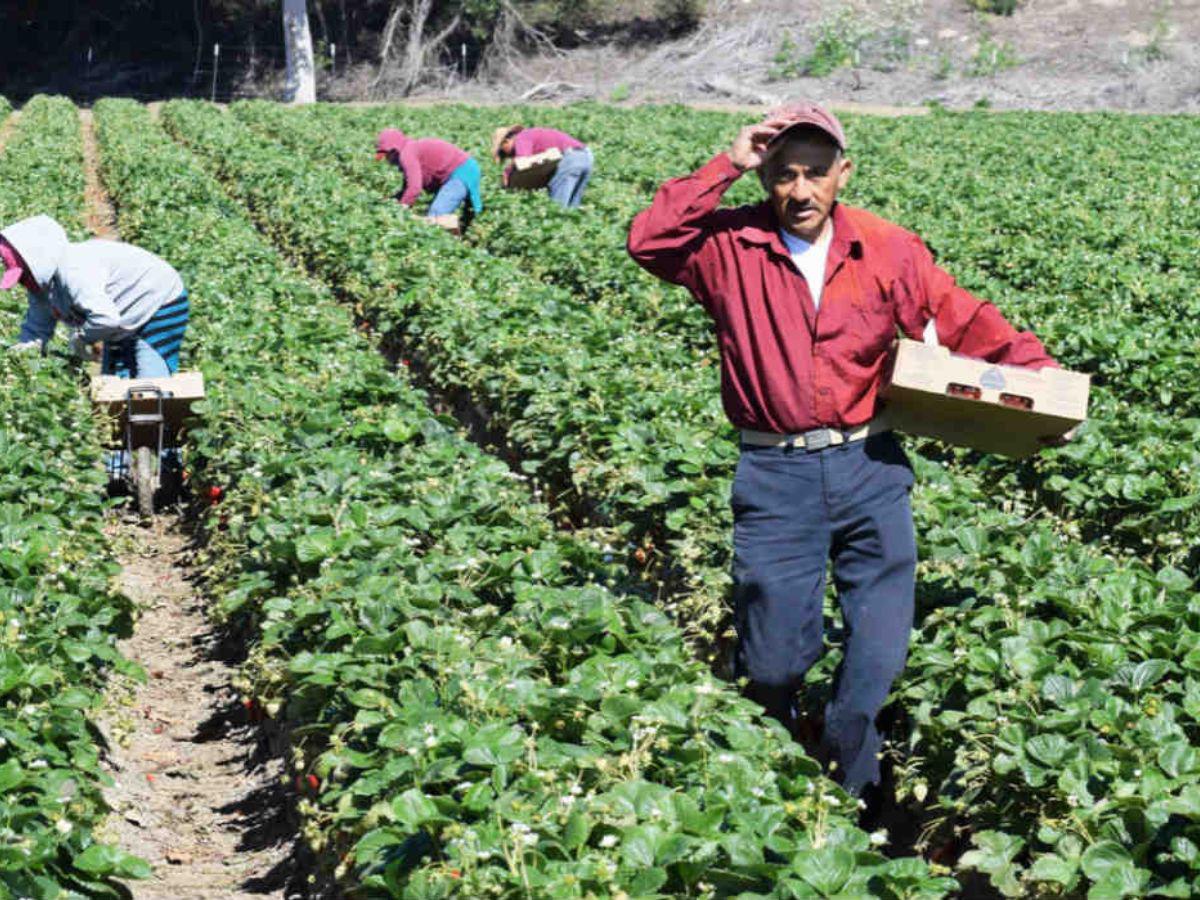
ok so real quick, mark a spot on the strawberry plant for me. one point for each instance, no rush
(60, 614)
(1038, 780)
(479, 702)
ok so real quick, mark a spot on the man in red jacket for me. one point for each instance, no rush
(806, 295)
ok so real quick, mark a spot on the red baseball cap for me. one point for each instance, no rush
(811, 114)
(14, 266)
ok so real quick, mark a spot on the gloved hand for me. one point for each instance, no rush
(1060, 440)
(25, 346)
(77, 346)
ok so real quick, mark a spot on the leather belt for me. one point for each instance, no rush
(817, 438)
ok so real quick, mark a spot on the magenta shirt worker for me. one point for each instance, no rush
(573, 172)
(431, 164)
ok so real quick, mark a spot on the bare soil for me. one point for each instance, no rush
(101, 218)
(196, 793)
(1048, 55)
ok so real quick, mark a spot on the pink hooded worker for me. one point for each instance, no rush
(431, 164)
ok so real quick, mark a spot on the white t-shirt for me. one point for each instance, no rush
(810, 259)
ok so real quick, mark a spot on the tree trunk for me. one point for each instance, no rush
(324, 25)
(297, 39)
(405, 73)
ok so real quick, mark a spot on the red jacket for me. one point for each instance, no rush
(784, 367)
(427, 164)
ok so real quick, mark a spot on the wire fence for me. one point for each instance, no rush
(221, 73)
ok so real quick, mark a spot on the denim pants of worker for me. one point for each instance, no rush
(152, 353)
(448, 199)
(462, 185)
(794, 512)
(571, 177)
(133, 358)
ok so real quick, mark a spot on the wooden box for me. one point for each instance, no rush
(180, 392)
(532, 172)
(971, 403)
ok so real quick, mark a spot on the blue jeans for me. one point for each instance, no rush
(571, 177)
(794, 512)
(462, 184)
(448, 199)
(147, 362)
(154, 351)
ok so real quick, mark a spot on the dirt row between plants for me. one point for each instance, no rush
(6, 128)
(197, 792)
(101, 218)
(863, 109)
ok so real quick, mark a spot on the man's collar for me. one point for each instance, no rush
(763, 230)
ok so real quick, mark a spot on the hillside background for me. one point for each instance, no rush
(1030, 54)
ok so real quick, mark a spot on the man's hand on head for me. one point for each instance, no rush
(749, 149)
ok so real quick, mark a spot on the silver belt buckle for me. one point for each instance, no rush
(817, 439)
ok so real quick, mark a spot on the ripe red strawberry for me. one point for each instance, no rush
(313, 781)
(215, 493)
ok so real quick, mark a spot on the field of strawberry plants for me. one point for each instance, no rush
(493, 658)
(59, 614)
(1037, 711)
(476, 702)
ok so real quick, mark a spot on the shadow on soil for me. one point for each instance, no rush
(265, 815)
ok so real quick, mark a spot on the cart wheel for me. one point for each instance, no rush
(143, 478)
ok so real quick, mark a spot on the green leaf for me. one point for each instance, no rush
(1103, 858)
(1048, 749)
(104, 859)
(639, 846)
(1052, 867)
(1147, 673)
(493, 745)
(10, 775)
(398, 431)
(314, 546)
(576, 831)
(414, 809)
(827, 869)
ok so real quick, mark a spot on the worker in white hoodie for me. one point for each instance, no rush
(106, 291)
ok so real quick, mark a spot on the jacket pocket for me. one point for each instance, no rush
(874, 322)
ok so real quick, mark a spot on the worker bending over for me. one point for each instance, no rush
(104, 291)
(431, 164)
(571, 175)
